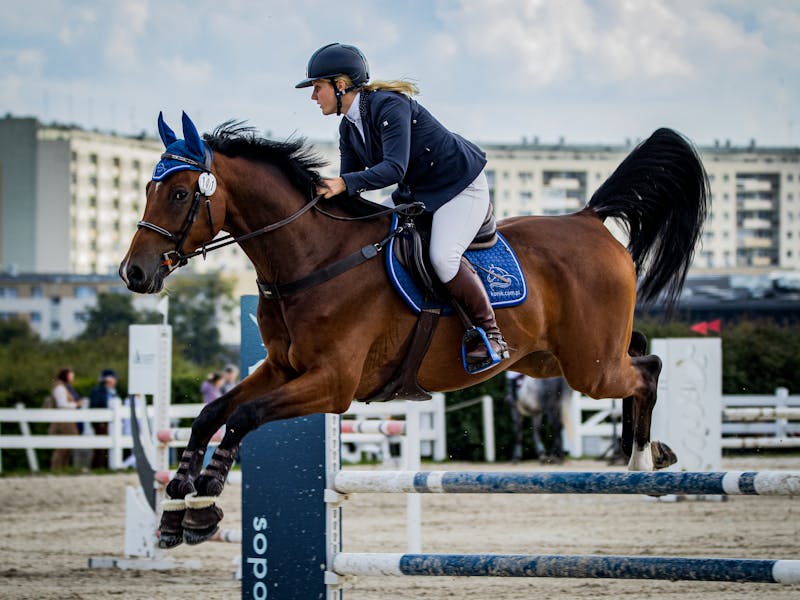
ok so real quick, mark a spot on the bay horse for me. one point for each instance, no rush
(343, 337)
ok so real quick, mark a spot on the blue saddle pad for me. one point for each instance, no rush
(497, 267)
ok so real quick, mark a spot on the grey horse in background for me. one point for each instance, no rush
(541, 400)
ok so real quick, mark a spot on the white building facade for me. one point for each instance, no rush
(70, 199)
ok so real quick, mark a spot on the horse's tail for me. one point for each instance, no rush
(660, 194)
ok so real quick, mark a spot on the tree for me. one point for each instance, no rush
(197, 303)
(15, 329)
(111, 316)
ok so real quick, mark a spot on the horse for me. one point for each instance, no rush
(539, 399)
(335, 333)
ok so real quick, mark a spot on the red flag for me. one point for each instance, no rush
(701, 328)
(714, 325)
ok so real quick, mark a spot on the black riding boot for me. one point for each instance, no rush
(467, 289)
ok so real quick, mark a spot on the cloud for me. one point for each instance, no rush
(78, 22)
(124, 37)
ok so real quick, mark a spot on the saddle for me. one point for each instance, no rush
(411, 250)
(411, 247)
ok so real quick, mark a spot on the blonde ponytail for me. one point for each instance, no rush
(402, 86)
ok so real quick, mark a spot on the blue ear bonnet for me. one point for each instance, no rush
(191, 147)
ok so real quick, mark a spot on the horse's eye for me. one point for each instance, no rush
(180, 195)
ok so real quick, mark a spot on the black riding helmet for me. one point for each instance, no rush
(333, 60)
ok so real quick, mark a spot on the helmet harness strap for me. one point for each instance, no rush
(339, 93)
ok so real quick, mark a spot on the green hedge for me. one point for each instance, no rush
(758, 356)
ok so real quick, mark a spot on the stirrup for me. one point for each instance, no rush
(476, 335)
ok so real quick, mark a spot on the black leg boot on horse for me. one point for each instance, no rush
(482, 350)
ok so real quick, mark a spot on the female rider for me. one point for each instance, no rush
(387, 138)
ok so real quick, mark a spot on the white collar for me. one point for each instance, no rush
(353, 115)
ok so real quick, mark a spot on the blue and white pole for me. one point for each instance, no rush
(586, 567)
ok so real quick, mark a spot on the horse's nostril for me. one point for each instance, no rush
(135, 275)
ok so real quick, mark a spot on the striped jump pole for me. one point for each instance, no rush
(765, 483)
(585, 567)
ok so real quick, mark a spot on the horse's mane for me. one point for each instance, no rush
(295, 157)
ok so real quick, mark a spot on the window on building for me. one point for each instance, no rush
(36, 291)
(93, 201)
(93, 159)
(84, 291)
(116, 161)
(35, 317)
(8, 292)
(81, 317)
(525, 176)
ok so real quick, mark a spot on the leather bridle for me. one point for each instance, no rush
(206, 185)
(175, 258)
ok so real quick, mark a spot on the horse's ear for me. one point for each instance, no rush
(194, 142)
(167, 135)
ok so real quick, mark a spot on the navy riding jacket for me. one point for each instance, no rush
(407, 146)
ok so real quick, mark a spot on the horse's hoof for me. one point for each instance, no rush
(663, 456)
(169, 540)
(197, 536)
(201, 519)
(170, 530)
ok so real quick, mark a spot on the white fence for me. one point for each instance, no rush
(432, 429)
(590, 426)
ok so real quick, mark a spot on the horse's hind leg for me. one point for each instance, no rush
(647, 455)
(637, 347)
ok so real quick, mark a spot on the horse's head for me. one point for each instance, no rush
(180, 215)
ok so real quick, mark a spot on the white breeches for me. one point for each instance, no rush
(455, 225)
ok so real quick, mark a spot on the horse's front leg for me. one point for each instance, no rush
(210, 419)
(299, 397)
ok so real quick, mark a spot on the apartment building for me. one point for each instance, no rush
(56, 306)
(70, 199)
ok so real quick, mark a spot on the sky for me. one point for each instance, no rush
(495, 71)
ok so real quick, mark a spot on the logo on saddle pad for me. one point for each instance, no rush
(502, 284)
(497, 267)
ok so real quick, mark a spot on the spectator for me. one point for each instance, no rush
(210, 388)
(231, 377)
(63, 395)
(100, 397)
